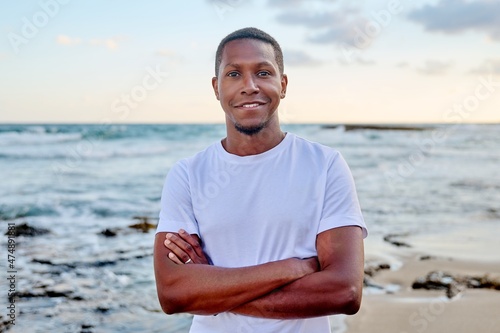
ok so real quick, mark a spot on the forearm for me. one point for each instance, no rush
(336, 288)
(319, 294)
(205, 289)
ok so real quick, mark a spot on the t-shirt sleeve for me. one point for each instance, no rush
(176, 210)
(341, 206)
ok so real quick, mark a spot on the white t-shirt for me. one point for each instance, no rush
(250, 210)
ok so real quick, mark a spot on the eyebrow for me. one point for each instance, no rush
(260, 64)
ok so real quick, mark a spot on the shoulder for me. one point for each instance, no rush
(200, 157)
(314, 149)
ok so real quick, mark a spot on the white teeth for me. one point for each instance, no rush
(250, 105)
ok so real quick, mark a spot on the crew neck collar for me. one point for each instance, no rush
(257, 157)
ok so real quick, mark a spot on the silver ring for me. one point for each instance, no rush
(187, 262)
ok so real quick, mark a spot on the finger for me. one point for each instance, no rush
(180, 253)
(194, 242)
(174, 258)
(183, 245)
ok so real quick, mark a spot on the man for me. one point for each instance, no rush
(262, 231)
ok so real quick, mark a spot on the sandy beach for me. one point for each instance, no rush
(392, 305)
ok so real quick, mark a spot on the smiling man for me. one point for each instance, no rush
(262, 231)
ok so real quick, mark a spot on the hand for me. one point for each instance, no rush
(185, 248)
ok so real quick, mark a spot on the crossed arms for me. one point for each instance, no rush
(285, 289)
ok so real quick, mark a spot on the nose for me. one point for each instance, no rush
(249, 85)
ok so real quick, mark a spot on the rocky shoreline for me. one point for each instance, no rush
(423, 292)
(357, 127)
(415, 275)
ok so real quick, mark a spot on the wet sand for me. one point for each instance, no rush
(397, 307)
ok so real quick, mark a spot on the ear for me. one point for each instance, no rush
(215, 85)
(284, 84)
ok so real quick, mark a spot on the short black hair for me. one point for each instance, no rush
(250, 33)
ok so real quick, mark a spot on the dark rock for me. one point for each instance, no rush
(390, 239)
(144, 225)
(5, 324)
(109, 232)
(426, 257)
(453, 285)
(61, 290)
(372, 268)
(54, 293)
(86, 328)
(102, 263)
(483, 282)
(368, 282)
(102, 309)
(25, 229)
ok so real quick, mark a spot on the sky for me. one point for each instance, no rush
(121, 61)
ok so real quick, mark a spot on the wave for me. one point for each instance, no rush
(23, 211)
(82, 152)
(47, 134)
(33, 138)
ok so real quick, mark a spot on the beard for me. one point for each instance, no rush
(250, 130)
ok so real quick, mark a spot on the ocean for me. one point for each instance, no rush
(435, 186)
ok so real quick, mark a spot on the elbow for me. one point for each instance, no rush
(169, 307)
(173, 304)
(170, 304)
(352, 300)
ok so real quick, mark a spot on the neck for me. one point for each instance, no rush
(243, 145)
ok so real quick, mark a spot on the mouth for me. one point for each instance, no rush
(250, 105)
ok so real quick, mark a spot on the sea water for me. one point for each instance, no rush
(438, 183)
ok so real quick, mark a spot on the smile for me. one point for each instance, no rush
(250, 104)
(253, 105)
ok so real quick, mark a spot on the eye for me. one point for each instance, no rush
(233, 74)
(264, 73)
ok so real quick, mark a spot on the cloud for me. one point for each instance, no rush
(435, 67)
(66, 40)
(295, 3)
(365, 62)
(309, 19)
(166, 53)
(356, 60)
(455, 16)
(489, 66)
(109, 43)
(299, 58)
(172, 57)
(285, 3)
(338, 26)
